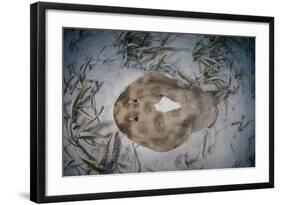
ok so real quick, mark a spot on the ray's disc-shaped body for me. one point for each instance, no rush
(136, 115)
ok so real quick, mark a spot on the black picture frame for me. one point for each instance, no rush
(38, 101)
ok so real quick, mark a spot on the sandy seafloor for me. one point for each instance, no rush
(223, 145)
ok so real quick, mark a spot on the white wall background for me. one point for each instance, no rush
(14, 100)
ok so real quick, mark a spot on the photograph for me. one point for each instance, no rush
(146, 101)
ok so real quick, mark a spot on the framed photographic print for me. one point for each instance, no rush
(129, 102)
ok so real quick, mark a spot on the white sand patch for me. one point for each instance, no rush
(166, 105)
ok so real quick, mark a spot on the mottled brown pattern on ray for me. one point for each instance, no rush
(136, 116)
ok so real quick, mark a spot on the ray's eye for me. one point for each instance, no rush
(133, 119)
(136, 118)
(133, 101)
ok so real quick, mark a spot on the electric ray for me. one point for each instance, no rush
(160, 113)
